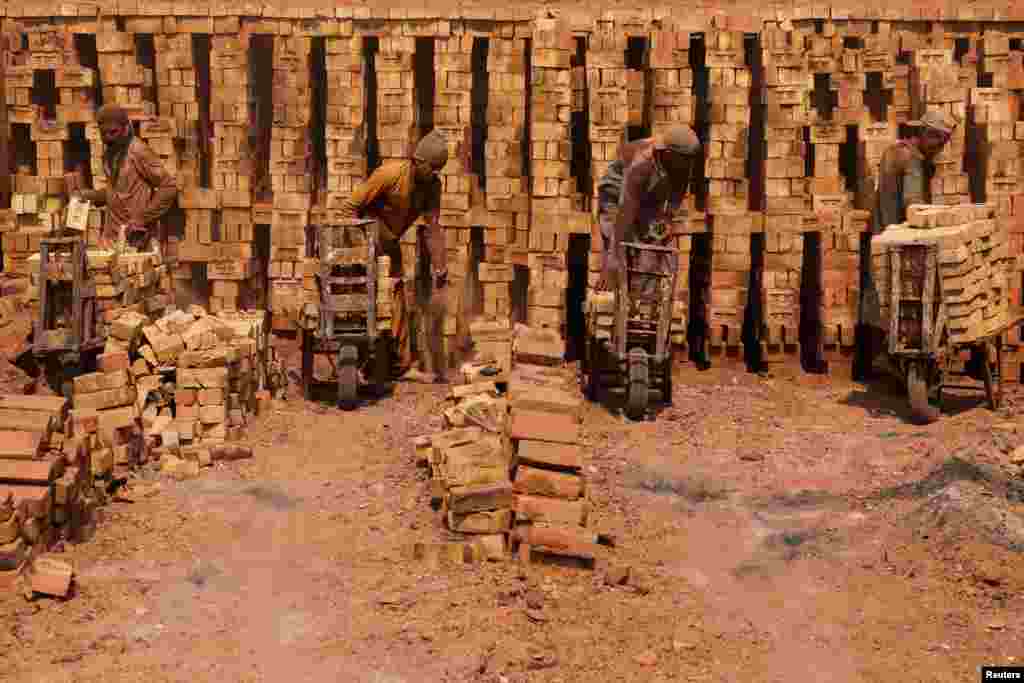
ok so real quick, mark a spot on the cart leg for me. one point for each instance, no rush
(667, 382)
(381, 365)
(307, 365)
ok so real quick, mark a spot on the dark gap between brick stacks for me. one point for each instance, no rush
(318, 120)
(702, 115)
(577, 262)
(756, 142)
(811, 301)
(201, 46)
(479, 100)
(581, 152)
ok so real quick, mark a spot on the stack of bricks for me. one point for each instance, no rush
(105, 418)
(512, 467)
(545, 430)
(215, 364)
(729, 81)
(396, 104)
(309, 311)
(291, 182)
(124, 81)
(45, 482)
(469, 466)
(127, 282)
(508, 191)
(939, 83)
(178, 102)
(552, 204)
(672, 103)
(453, 82)
(346, 155)
(232, 270)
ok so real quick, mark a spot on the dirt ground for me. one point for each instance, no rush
(777, 525)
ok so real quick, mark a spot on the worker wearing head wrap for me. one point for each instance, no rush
(903, 180)
(139, 189)
(638, 196)
(396, 194)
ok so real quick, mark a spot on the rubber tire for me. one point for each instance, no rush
(638, 390)
(348, 378)
(921, 410)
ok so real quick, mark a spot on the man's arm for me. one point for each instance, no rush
(96, 197)
(380, 182)
(159, 178)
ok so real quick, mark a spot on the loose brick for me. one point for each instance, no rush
(118, 360)
(20, 445)
(50, 576)
(554, 427)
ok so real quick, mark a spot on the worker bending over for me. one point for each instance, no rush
(903, 180)
(396, 194)
(637, 198)
(139, 189)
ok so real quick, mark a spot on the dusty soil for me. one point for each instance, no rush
(777, 526)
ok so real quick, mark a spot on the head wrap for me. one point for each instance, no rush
(113, 114)
(681, 140)
(433, 148)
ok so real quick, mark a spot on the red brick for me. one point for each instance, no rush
(31, 471)
(32, 499)
(116, 360)
(50, 576)
(562, 456)
(555, 427)
(20, 445)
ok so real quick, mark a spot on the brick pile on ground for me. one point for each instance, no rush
(195, 382)
(507, 471)
(46, 491)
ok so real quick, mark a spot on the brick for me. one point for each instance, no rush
(13, 554)
(31, 471)
(537, 426)
(545, 510)
(50, 576)
(466, 499)
(117, 360)
(535, 481)
(202, 378)
(545, 399)
(185, 396)
(19, 445)
(489, 522)
(553, 455)
(50, 404)
(211, 397)
(28, 420)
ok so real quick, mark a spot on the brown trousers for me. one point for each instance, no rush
(421, 302)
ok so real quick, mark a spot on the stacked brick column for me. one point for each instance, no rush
(346, 112)
(552, 184)
(672, 103)
(290, 173)
(508, 191)
(725, 152)
(178, 104)
(938, 83)
(396, 106)
(787, 203)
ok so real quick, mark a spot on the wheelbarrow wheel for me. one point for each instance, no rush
(921, 409)
(348, 377)
(638, 389)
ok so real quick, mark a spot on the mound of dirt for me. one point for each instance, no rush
(970, 509)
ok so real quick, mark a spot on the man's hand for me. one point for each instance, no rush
(440, 278)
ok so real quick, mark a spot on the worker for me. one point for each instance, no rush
(396, 194)
(140, 189)
(903, 180)
(637, 197)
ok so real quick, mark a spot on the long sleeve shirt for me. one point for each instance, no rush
(392, 196)
(140, 188)
(902, 181)
(648, 194)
